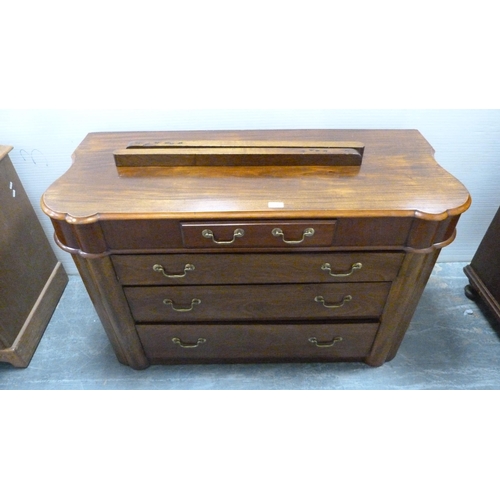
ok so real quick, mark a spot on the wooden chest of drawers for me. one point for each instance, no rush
(264, 262)
(31, 278)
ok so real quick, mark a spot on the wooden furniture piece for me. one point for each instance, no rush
(484, 270)
(31, 278)
(255, 260)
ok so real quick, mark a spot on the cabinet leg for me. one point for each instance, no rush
(470, 292)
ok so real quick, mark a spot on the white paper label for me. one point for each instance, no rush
(276, 204)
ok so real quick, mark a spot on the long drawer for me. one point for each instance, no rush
(192, 269)
(257, 302)
(264, 342)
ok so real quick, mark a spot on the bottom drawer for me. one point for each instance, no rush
(239, 343)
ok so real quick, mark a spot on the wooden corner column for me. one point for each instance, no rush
(255, 246)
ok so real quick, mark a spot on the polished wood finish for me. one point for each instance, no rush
(484, 270)
(31, 278)
(399, 177)
(256, 260)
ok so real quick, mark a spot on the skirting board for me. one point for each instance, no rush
(21, 351)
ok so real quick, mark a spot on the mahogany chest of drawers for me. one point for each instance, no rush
(194, 262)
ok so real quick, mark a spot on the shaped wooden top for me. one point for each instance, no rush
(398, 177)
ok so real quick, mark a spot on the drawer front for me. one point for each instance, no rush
(250, 343)
(192, 269)
(256, 302)
(274, 234)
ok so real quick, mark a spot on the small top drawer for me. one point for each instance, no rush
(275, 234)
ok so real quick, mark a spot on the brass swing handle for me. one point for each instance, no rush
(194, 302)
(315, 341)
(160, 269)
(327, 267)
(208, 233)
(337, 305)
(186, 345)
(279, 232)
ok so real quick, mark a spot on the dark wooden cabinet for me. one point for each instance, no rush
(265, 260)
(484, 269)
(31, 278)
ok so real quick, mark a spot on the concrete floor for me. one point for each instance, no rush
(452, 343)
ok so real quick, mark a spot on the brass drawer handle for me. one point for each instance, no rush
(342, 303)
(279, 232)
(314, 341)
(160, 269)
(208, 233)
(180, 343)
(355, 267)
(194, 302)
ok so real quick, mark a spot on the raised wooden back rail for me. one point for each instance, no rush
(239, 153)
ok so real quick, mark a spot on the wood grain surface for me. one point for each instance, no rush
(398, 177)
